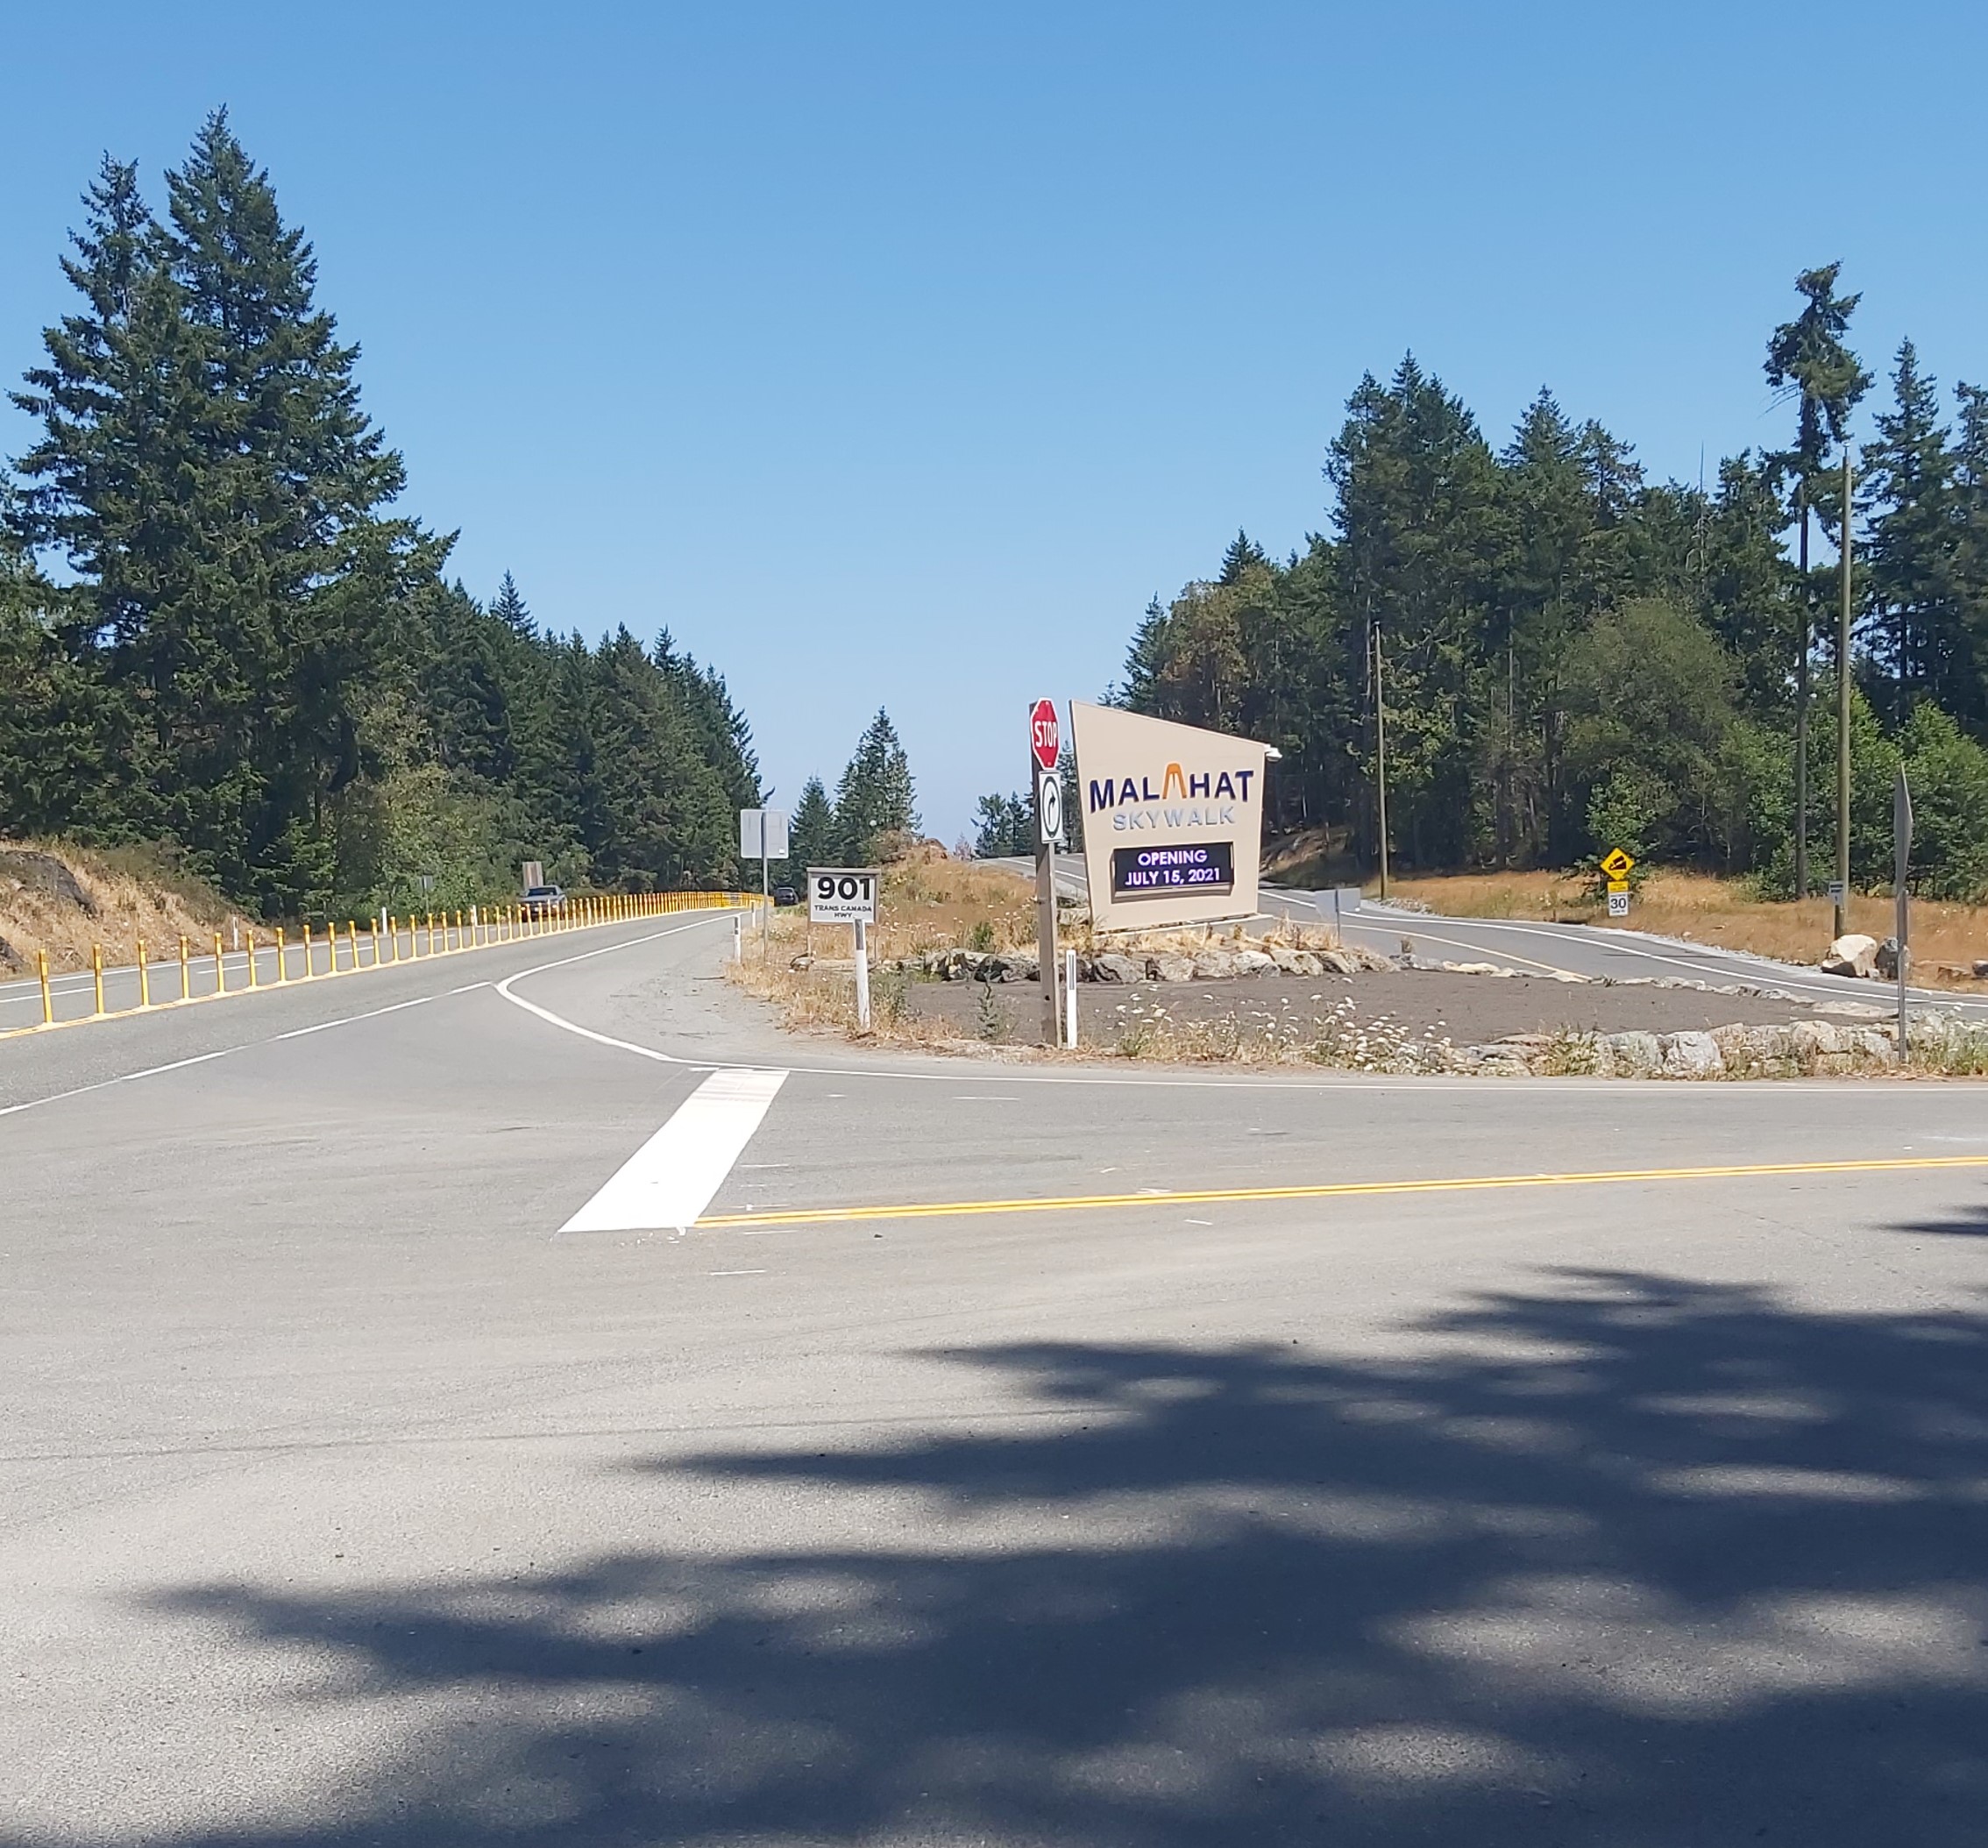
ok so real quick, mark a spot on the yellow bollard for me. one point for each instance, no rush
(254, 980)
(144, 977)
(97, 969)
(186, 975)
(220, 973)
(47, 997)
(392, 939)
(281, 975)
(309, 954)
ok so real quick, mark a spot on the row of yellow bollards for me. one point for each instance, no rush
(479, 929)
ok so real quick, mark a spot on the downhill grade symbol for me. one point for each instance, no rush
(1044, 738)
(1616, 864)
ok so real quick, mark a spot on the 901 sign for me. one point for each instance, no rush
(841, 894)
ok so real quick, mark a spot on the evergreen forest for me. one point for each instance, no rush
(1569, 656)
(219, 632)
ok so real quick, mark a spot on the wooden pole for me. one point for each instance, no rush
(1381, 753)
(1843, 715)
(1801, 710)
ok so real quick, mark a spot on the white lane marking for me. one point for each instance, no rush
(672, 1177)
(151, 1071)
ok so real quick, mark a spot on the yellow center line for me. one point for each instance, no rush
(1329, 1190)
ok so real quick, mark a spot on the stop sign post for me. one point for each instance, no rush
(1045, 745)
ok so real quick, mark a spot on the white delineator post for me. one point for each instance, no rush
(861, 975)
(738, 938)
(1069, 998)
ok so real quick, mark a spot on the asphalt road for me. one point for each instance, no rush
(1593, 952)
(1005, 1455)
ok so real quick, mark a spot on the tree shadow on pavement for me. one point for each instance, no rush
(1620, 1559)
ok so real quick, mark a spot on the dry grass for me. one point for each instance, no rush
(1946, 939)
(62, 899)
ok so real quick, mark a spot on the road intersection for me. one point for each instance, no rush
(910, 1449)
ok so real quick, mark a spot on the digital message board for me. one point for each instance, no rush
(1205, 868)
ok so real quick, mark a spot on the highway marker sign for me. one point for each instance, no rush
(1616, 864)
(841, 894)
(1044, 738)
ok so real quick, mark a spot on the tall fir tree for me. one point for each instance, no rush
(1912, 509)
(1807, 360)
(875, 802)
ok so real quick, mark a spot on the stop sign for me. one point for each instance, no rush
(1043, 739)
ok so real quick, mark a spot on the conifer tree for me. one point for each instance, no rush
(509, 608)
(812, 838)
(874, 804)
(1807, 358)
(1909, 497)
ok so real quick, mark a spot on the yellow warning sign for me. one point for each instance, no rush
(1618, 885)
(1616, 864)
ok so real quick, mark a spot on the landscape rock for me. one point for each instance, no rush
(1169, 968)
(1692, 1056)
(1885, 962)
(1213, 965)
(1853, 953)
(1253, 963)
(1299, 962)
(1630, 1055)
(1981, 972)
(1813, 1040)
(1109, 968)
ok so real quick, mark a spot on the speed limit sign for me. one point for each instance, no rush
(1049, 808)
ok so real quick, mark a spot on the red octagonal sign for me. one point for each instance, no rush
(1043, 739)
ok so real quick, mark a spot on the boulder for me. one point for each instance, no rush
(1630, 1054)
(1109, 968)
(1981, 972)
(1297, 962)
(1253, 963)
(1885, 962)
(1692, 1056)
(1852, 954)
(1214, 965)
(1169, 968)
(1813, 1040)
(1878, 1046)
(1012, 965)
(1339, 963)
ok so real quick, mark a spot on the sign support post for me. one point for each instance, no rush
(1045, 746)
(861, 975)
(1901, 861)
(764, 832)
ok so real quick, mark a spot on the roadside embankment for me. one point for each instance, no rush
(63, 899)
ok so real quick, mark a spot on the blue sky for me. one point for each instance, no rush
(896, 355)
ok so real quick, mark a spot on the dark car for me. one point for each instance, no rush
(542, 901)
(785, 895)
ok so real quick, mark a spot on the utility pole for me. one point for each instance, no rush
(1801, 709)
(1842, 716)
(1381, 754)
